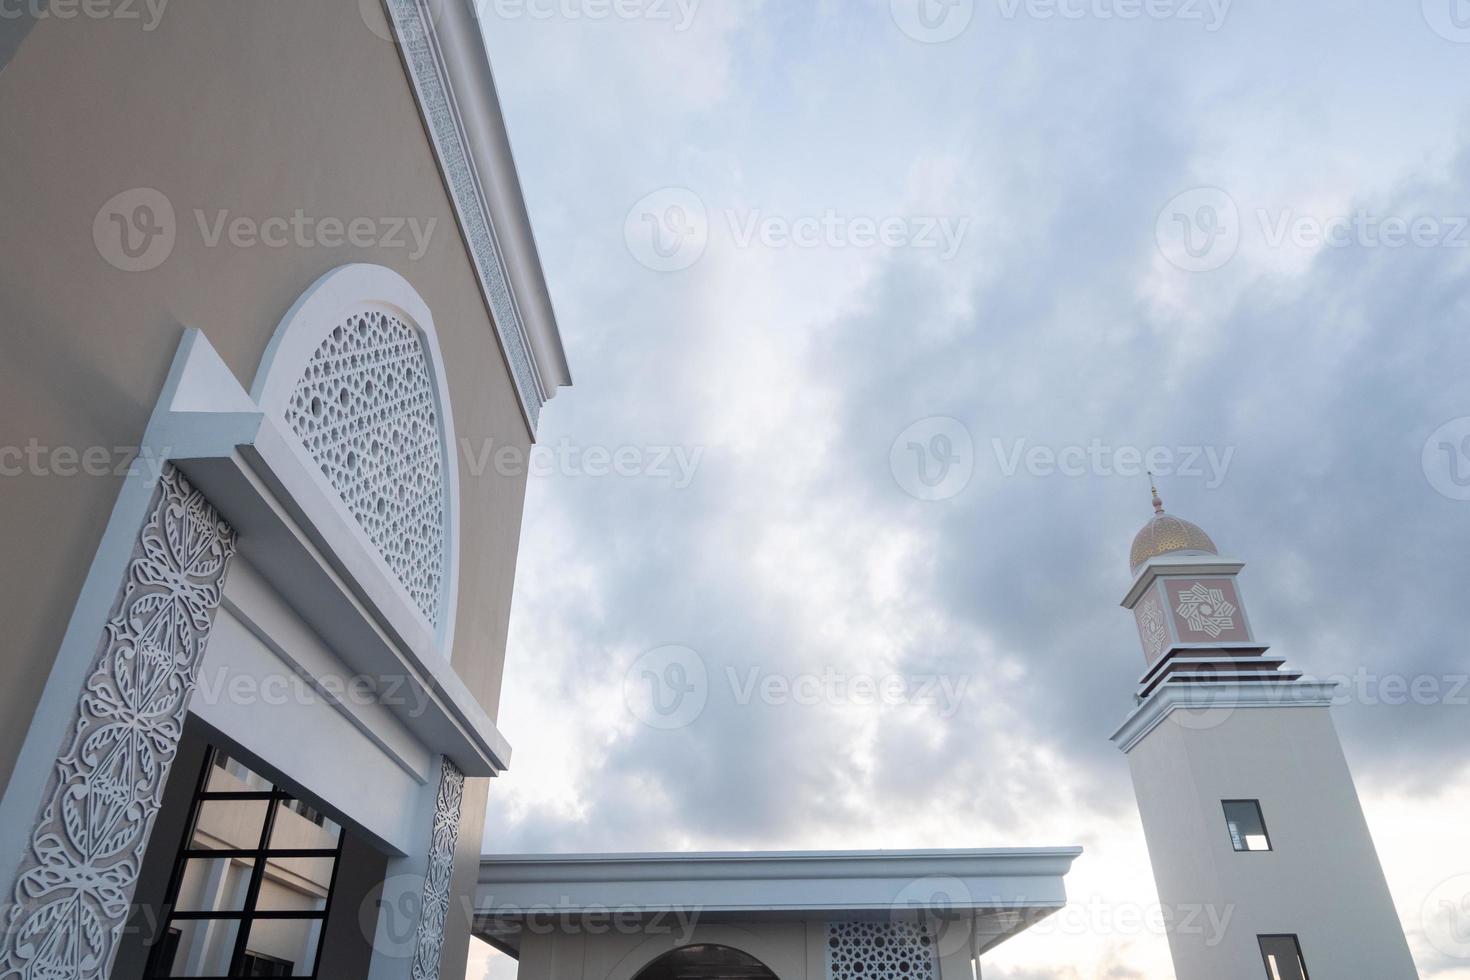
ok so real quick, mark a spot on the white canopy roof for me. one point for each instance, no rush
(1003, 889)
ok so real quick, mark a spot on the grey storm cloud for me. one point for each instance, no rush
(1316, 375)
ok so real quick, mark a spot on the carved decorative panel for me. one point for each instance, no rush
(429, 942)
(1153, 630)
(880, 951)
(77, 877)
(365, 409)
(1206, 610)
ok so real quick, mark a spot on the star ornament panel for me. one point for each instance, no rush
(1206, 610)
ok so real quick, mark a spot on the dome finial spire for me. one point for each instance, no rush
(1153, 485)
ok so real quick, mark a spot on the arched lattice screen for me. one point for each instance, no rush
(880, 951)
(365, 409)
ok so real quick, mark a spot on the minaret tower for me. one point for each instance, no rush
(1263, 861)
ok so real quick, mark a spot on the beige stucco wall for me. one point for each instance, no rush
(261, 109)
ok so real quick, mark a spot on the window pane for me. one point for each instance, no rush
(229, 825)
(283, 947)
(1283, 956)
(295, 884)
(203, 949)
(231, 776)
(214, 884)
(1247, 826)
(301, 827)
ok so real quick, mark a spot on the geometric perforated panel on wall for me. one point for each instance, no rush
(880, 951)
(365, 410)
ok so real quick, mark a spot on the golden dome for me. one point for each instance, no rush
(1167, 534)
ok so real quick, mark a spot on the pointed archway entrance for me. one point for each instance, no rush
(706, 962)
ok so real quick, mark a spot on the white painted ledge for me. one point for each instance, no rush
(1222, 696)
(1009, 888)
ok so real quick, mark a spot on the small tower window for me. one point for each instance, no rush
(1246, 825)
(1283, 957)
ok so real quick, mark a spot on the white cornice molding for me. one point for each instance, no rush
(1228, 696)
(445, 58)
(1019, 885)
(1168, 565)
(760, 865)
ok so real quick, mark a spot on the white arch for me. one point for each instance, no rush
(646, 953)
(346, 292)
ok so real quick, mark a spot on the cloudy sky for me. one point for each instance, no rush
(878, 307)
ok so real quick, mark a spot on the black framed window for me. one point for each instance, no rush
(1283, 958)
(252, 886)
(1246, 825)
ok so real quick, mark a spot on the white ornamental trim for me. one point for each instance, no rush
(413, 24)
(1206, 610)
(76, 880)
(429, 943)
(880, 951)
(1152, 626)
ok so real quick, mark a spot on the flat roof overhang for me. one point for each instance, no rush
(1003, 890)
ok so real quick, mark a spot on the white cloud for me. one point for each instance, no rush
(795, 552)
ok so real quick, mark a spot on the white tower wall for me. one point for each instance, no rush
(1219, 719)
(1321, 880)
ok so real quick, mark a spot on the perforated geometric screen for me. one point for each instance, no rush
(880, 951)
(366, 411)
